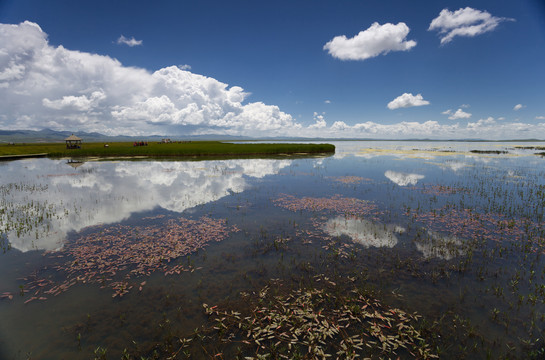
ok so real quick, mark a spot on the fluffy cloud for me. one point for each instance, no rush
(82, 103)
(540, 117)
(407, 100)
(458, 114)
(464, 22)
(518, 107)
(319, 122)
(377, 39)
(487, 128)
(130, 42)
(42, 86)
(482, 123)
(340, 126)
(404, 129)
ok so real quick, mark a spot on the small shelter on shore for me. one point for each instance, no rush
(73, 142)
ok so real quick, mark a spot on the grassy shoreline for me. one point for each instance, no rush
(176, 149)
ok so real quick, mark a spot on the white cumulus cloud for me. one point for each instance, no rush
(377, 39)
(42, 86)
(482, 123)
(518, 107)
(407, 100)
(340, 126)
(129, 42)
(487, 128)
(320, 122)
(464, 22)
(458, 114)
(82, 103)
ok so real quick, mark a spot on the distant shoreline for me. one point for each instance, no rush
(22, 156)
(52, 136)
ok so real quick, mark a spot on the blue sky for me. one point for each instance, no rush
(369, 69)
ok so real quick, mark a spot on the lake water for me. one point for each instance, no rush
(104, 259)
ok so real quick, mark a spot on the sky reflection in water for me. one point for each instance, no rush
(364, 232)
(109, 192)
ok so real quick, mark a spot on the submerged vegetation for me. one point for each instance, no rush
(173, 149)
(325, 320)
(114, 256)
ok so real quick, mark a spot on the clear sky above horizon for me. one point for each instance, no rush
(368, 69)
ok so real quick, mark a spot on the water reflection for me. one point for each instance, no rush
(403, 179)
(362, 231)
(453, 165)
(45, 199)
(435, 245)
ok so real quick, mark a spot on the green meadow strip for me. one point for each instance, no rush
(175, 149)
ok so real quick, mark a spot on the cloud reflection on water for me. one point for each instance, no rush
(109, 192)
(403, 179)
(435, 245)
(364, 232)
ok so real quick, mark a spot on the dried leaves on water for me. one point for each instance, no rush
(336, 203)
(468, 223)
(349, 180)
(113, 255)
(318, 322)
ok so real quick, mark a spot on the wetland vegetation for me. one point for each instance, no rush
(392, 250)
(172, 149)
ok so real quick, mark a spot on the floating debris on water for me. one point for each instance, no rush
(322, 321)
(351, 179)
(336, 203)
(109, 252)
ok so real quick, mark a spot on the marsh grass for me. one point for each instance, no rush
(177, 149)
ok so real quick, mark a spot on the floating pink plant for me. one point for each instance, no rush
(104, 254)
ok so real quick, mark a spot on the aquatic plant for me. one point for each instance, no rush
(24, 215)
(103, 253)
(336, 203)
(323, 321)
(349, 180)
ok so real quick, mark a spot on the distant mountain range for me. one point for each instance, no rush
(48, 136)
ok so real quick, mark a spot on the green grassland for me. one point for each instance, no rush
(175, 149)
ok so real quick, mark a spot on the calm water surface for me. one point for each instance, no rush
(106, 257)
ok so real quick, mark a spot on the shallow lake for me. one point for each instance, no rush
(444, 241)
